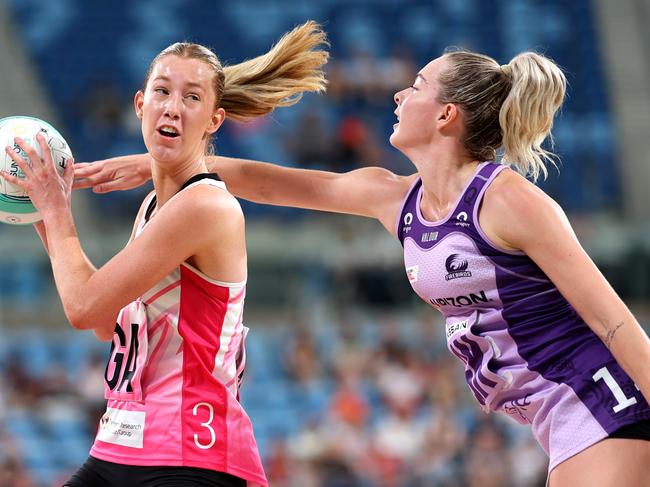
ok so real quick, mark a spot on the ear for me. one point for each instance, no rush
(448, 115)
(218, 117)
(138, 101)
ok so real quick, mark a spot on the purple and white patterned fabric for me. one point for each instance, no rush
(526, 351)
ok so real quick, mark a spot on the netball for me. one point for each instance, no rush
(15, 205)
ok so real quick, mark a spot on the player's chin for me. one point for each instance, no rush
(164, 155)
(394, 138)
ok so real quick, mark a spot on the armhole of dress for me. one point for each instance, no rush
(212, 178)
(475, 214)
(398, 220)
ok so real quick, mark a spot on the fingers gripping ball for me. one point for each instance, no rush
(15, 206)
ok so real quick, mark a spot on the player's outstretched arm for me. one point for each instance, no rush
(371, 192)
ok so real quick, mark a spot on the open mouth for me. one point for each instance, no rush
(168, 132)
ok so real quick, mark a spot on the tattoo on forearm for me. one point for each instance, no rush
(610, 335)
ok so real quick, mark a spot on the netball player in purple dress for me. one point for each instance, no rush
(542, 336)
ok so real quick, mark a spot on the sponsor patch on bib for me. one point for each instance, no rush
(121, 427)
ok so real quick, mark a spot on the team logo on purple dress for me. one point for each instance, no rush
(456, 267)
(461, 219)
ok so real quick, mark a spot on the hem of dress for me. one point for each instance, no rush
(574, 451)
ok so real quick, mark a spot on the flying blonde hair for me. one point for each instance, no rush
(257, 86)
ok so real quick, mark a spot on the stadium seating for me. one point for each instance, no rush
(121, 38)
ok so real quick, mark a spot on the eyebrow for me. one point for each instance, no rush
(191, 84)
(423, 78)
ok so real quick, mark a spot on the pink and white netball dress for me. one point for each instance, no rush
(526, 351)
(172, 381)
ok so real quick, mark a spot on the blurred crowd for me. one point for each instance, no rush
(361, 402)
(397, 414)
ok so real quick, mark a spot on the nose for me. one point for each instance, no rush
(173, 107)
(397, 97)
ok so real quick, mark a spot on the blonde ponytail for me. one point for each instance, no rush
(257, 86)
(278, 78)
(526, 116)
(509, 106)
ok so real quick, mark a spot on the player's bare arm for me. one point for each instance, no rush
(539, 227)
(158, 250)
(372, 192)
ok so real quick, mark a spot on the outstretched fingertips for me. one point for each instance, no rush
(20, 150)
(25, 165)
(32, 156)
(45, 148)
(11, 178)
(14, 153)
(20, 143)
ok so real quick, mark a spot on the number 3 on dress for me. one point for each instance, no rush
(213, 436)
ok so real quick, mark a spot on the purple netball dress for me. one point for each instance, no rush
(526, 351)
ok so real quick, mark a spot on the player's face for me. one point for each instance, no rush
(177, 109)
(418, 108)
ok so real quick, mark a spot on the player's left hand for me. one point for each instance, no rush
(47, 190)
(114, 174)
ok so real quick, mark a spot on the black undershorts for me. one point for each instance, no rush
(635, 431)
(98, 473)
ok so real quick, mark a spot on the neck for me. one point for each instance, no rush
(445, 171)
(167, 181)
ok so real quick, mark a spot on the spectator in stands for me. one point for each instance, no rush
(101, 113)
(540, 331)
(311, 142)
(355, 144)
(12, 471)
(301, 358)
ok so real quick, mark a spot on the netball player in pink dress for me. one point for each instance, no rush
(177, 289)
(542, 336)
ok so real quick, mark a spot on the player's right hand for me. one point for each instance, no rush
(115, 174)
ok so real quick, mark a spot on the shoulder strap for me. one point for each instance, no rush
(406, 215)
(198, 177)
(192, 180)
(465, 209)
